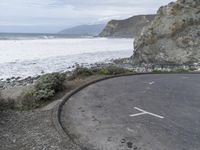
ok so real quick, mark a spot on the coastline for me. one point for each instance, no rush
(20, 81)
(24, 58)
(13, 90)
(126, 63)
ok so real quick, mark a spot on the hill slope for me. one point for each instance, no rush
(130, 27)
(173, 37)
(84, 30)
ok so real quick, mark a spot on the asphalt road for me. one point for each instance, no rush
(143, 112)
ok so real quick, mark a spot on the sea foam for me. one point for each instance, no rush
(32, 57)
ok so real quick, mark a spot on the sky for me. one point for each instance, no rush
(51, 16)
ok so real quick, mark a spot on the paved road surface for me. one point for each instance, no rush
(144, 112)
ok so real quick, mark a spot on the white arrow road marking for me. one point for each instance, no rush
(143, 112)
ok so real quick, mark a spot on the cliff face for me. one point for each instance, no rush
(173, 37)
(130, 27)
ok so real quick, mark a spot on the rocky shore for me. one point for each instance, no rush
(123, 63)
(19, 81)
(16, 81)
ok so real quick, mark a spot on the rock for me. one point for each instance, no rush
(18, 78)
(14, 140)
(8, 79)
(12, 78)
(1, 85)
(130, 27)
(173, 37)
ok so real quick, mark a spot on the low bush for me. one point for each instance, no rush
(181, 70)
(160, 71)
(113, 70)
(49, 84)
(177, 70)
(192, 69)
(27, 101)
(80, 72)
(45, 88)
(1, 102)
(6, 103)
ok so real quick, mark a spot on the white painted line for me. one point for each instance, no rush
(130, 130)
(151, 83)
(143, 112)
(138, 114)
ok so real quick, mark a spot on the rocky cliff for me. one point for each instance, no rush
(130, 27)
(173, 37)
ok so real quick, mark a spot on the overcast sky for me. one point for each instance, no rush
(54, 15)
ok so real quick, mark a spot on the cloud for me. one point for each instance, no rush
(68, 13)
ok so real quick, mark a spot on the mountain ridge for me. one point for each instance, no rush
(92, 30)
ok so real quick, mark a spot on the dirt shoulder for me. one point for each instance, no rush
(34, 130)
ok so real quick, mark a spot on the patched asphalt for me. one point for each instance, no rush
(107, 115)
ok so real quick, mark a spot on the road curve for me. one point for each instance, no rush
(140, 112)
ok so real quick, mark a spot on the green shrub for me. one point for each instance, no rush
(192, 69)
(103, 71)
(113, 70)
(51, 81)
(43, 94)
(107, 70)
(178, 70)
(6, 103)
(47, 85)
(1, 102)
(181, 70)
(45, 88)
(82, 72)
(28, 101)
(160, 71)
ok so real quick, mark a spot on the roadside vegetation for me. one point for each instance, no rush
(177, 70)
(82, 72)
(6, 103)
(48, 86)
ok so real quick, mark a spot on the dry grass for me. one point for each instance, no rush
(6, 103)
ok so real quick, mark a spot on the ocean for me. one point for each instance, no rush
(23, 55)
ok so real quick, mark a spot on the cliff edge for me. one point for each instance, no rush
(173, 37)
(127, 28)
